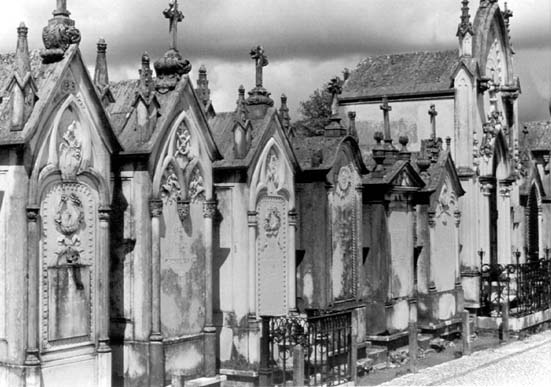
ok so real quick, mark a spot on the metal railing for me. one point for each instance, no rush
(319, 347)
(525, 286)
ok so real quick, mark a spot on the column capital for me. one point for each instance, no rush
(251, 218)
(155, 207)
(209, 208)
(32, 213)
(504, 190)
(486, 189)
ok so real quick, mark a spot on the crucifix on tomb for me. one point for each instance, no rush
(334, 88)
(174, 16)
(433, 113)
(261, 60)
(386, 108)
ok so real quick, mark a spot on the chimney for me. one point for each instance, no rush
(284, 114)
(203, 90)
(242, 136)
(147, 106)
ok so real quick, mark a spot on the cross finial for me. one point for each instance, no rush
(261, 60)
(174, 16)
(386, 108)
(334, 88)
(433, 113)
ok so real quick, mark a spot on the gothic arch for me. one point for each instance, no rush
(533, 222)
(47, 158)
(261, 176)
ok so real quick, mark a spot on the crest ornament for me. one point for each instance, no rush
(272, 222)
(183, 144)
(70, 152)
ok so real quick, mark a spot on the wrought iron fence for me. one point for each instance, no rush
(325, 341)
(526, 287)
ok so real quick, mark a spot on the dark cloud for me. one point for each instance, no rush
(302, 38)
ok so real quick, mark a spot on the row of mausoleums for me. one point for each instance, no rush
(148, 239)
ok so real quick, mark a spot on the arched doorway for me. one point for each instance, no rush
(533, 225)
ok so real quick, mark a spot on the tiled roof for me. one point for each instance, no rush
(222, 128)
(40, 73)
(535, 135)
(315, 153)
(402, 73)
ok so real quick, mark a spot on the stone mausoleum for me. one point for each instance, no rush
(150, 240)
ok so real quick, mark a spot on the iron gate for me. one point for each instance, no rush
(326, 343)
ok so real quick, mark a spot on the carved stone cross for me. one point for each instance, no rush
(386, 108)
(334, 88)
(174, 16)
(433, 113)
(261, 60)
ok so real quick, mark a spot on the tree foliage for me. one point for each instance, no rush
(315, 111)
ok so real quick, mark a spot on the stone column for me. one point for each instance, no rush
(104, 350)
(504, 224)
(32, 360)
(541, 235)
(292, 280)
(156, 355)
(252, 223)
(359, 238)
(330, 191)
(432, 256)
(209, 209)
(457, 215)
(484, 216)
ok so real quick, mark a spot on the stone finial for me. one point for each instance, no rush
(433, 113)
(240, 109)
(448, 143)
(259, 95)
(386, 108)
(284, 114)
(404, 141)
(378, 153)
(59, 34)
(22, 58)
(465, 26)
(21, 89)
(334, 128)
(146, 77)
(101, 74)
(352, 125)
(203, 90)
(423, 165)
(171, 66)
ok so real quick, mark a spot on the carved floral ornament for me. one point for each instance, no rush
(272, 222)
(70, 151)
(170, 186)
(196, 191)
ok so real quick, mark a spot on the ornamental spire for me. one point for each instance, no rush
(59, 34)
(465, 26)
(386, 108)
(507, 15)
(171, 66)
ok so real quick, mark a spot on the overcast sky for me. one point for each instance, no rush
(307, 41)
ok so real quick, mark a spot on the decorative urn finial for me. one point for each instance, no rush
(59, 34)
(171, 66)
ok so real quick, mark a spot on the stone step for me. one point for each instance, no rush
(423, 340)
(179, 381)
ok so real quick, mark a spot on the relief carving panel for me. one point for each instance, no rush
(68, 250)
(344, 236)
(272, 256)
